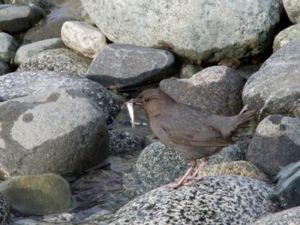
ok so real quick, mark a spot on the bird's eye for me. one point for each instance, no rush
(146, 99)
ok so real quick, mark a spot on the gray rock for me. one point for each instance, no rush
(4, 68)
(275, 88)
(292, 9)
(4, 211)
(275, 144)
(214, 200)
(34, 141)
(122, 142)
(287, 35)
(47, 29)
(37, 194)
(215, 89)
(8, 47)
(145, 23)
(287, 189)
(188, 70)
(25, 52)
(19, 84)
(127, 65)
(18, 18)
(58, 60)
(43, 4)
(286, 217)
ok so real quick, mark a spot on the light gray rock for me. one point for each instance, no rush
(286, 217)
(275, 144)
(58, 60)
(4, 68)
(287, 35)
(4, 211)
(188, 70)
(215, 89)
(275, 88)
(18, 18)
(292, 9)
(19, 84)
(82, 37)
(121, 65)
(37, 194)
(26, 51)
(214, 200)
(8, 47)
(194, 29)
(58, 131)
(47, 29)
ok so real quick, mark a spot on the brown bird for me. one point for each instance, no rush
(193, 133)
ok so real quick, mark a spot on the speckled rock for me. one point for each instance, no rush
(275, 144)
(188, 70)
(19, 84)
(292, 9)
(37, 194)
(121, 65)
(287, 35)
(241, 168)
(287, 189)
(286, 217)
(214, 200)
(25, 52)
(82, 37)
(121, 142)
(4, 211)
(4, 68)
(8, 47)
(275, 88)
(58, 60)
(47, 29)
(145, 23)
(18, 18)
(215, 89)
(158, 165)
(33, 140)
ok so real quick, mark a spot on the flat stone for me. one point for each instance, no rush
(119, 65)
(33, 140)
(213, 200)
(26, 51)
(19, 84)
(18, 18)
(37, 194)
(82, 37)
(275, 144)
(285, 36)
(215, 89)
(188, 28)
(8, 47)
(60, 60)
(275, 88)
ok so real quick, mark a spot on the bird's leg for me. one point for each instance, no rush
(196, 176)
(183, 179)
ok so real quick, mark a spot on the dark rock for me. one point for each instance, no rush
(121, 66)
(275, 88)
(276, 143)
(59, 60)
(4, 68)
(4, 211)
(214, 200)
(287, 189)
(19, 84)
(48, 28)
(18, 18)
(43, 4)
(215, 89)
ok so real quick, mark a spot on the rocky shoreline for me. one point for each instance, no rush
(68, 152)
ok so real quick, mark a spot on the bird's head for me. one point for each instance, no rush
(153, 101)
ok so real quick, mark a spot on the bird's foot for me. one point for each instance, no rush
(193, 180)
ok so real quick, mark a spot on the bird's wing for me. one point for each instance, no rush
(191, 130)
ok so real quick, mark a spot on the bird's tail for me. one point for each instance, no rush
(244, 115)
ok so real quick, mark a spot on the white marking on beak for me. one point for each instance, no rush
(130, 109)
